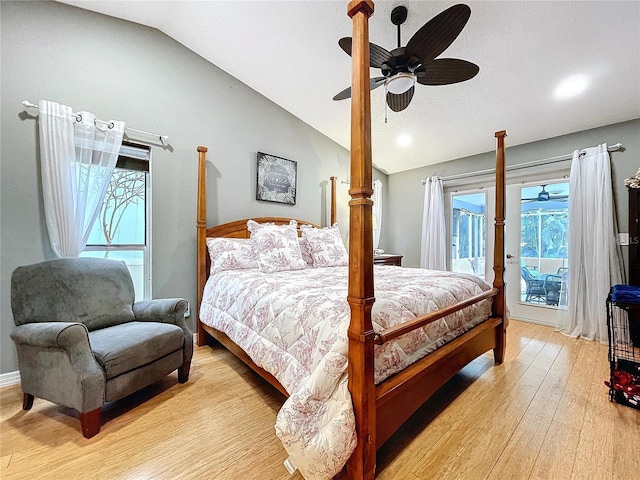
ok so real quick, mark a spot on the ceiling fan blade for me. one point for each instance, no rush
(398, 102)
(435, 36)
(445, 71)
(377, 54)
(373, 84)
(552, 198)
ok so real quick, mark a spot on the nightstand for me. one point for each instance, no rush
(387, 259)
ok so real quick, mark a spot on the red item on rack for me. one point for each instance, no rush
(626, 383)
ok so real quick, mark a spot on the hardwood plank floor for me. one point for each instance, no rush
(543, 414)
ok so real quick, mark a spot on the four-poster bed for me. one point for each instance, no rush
(379, 409)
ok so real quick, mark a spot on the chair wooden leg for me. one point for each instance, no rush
(27, 401)
(183, 372)
(90, 422)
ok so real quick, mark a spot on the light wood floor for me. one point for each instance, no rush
(543, 414)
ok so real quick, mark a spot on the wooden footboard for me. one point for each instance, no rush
(400, 396)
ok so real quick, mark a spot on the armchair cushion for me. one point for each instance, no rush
(125, 347)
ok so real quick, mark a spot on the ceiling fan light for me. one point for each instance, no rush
(400, 83)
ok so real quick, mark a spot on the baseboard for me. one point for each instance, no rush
(556, 326)
(10, 378)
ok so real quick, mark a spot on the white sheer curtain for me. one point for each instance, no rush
(78, 156)
(594, 261)
(377, 211)
(433, 251)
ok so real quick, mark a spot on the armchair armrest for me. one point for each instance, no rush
(57, 363)
(52, 335)
(165, 310)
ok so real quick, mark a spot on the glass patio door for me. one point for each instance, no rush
(537, 251)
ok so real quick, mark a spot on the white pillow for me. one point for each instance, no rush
(277, 246)
(326, 246)
(231, 254)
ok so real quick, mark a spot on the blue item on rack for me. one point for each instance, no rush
(625, 294)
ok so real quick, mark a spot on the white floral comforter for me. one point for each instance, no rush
(294, 325)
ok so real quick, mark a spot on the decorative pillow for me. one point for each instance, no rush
(277, 246)
(231, 254)
(326, 246)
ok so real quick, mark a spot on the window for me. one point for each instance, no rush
(468, 233)
(122, 229)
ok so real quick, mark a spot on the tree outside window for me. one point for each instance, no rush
(121, 230)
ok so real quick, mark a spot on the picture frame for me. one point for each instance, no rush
(277, 179)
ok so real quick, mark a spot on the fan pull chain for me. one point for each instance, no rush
(385, 103)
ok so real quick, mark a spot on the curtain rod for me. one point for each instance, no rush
(519, 166)
(162, 138)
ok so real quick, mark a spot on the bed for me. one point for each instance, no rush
(379, 403)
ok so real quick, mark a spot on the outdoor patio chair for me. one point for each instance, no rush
(552, 287)
(535, 287)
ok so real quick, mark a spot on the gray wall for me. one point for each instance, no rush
(121, 70)
(405, 205)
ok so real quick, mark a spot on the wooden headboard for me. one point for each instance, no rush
(238, 229)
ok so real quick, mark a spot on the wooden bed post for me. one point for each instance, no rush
(499, 303)
(361, 465)
(201, 239)
(333, 200)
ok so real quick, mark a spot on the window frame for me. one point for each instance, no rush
(450, 193)
(135, 153)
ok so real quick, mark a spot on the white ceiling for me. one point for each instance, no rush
(288, 51)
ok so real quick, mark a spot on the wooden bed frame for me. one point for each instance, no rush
(381, 409)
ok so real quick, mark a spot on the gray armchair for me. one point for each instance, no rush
(82, 341)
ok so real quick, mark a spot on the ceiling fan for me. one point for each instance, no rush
(416, 62)
(544, 196)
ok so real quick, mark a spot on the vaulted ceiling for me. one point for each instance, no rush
(288, 51)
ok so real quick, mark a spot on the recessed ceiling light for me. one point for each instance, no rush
(404, 140)
(572, 86)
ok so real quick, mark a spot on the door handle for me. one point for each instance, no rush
(509, 256)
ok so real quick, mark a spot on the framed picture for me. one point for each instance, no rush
(277, 178)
